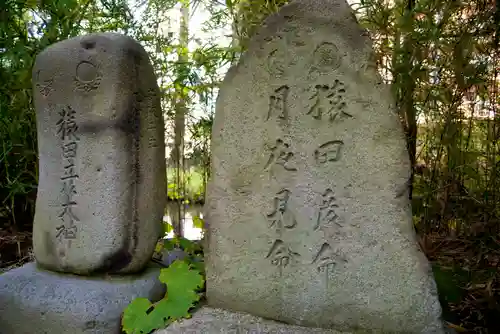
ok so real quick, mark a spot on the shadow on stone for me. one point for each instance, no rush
(34, 300)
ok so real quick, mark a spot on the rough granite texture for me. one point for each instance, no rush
(101, 147)
(36, 301)
(308, 216)
(218, 321)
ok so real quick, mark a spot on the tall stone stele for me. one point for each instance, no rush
(101, 194)
(308, 219)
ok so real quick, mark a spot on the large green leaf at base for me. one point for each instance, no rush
(182, 282)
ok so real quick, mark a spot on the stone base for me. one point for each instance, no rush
(209, 320)
(33, 300)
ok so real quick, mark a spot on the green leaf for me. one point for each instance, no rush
(180, 278)
(187, 245)
(167, 227)
(182, 283)
(169, 244)
(197, 222)
(135, 318)
(198, 263)
(31, 4)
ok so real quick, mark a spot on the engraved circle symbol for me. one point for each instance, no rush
(326, 55)
(86, 72)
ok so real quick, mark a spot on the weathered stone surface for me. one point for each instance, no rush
(307, 220)
(101, 194)
(34, 300)
(218, 321)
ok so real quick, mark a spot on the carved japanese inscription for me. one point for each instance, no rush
(276, 63)
(327, 214)
(145, 101)
(281, 255)
(278, 103)
(67, 130)
(152, 119)
(328, 101)
(326, 260)
(284, 54)
(282, 155)
(329, 151)
(45, 87)
(281, 216)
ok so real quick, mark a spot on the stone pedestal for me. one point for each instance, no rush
(209, 320)
(33, 300)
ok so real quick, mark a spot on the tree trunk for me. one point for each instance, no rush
(180, 119)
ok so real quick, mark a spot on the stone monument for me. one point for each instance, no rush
(307, 221)
(101, 197)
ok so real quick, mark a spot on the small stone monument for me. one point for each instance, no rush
(307, 221)
(102, 157)
(100, 198)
